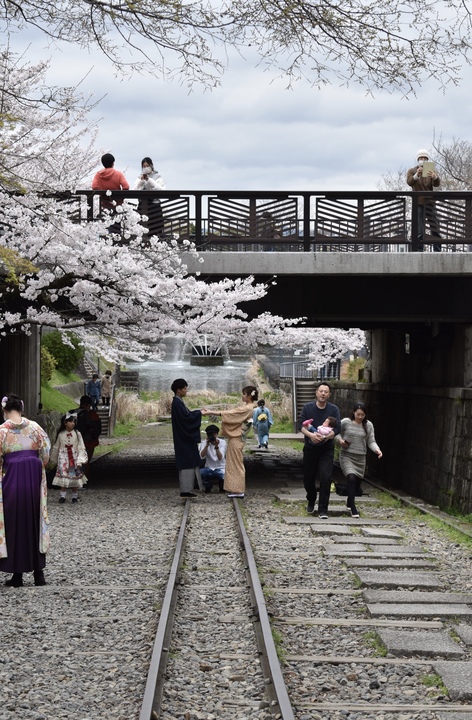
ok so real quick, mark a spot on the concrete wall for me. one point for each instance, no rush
(425, 435)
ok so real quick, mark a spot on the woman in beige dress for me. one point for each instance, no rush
(235, 424)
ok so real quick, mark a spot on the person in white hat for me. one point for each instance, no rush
(418, 180)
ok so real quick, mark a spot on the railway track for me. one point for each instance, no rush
(371, 617)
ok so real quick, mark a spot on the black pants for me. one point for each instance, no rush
(427, 214)
(318, 465)
(352, 481)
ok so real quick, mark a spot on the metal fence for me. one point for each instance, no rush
(297, 221)
(299, 371)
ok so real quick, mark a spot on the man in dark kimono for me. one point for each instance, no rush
(186, 431)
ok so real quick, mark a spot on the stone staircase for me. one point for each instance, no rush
(304, 393)
(103, 413)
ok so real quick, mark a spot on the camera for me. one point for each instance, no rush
(211, 437)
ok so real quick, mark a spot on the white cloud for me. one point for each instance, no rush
(252, 133)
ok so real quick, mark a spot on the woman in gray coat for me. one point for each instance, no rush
(357, 434)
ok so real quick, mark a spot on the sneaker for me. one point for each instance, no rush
(188, 495)
(231, 495)
(266, 446)
(354, 512)
(323, 516)
(307, 422)
(62, 500)
(310, 508)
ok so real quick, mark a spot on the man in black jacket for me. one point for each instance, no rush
(318, 450)
(90, 427)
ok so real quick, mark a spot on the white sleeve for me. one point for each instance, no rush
(156, 183)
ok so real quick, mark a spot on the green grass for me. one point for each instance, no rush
(149, 396)
(59, 378)
(373, 640)
(54, 400)
(278, 639)
(433, 680)
(454, 535)
(51, 398)
(350, 372)
(122, 429)
(104, 449)
(285, 425)
(195, 401)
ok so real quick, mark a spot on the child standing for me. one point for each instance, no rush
(262, 422)
(69, 455)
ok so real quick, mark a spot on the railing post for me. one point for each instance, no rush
(468, 224)
(306, 223)
(198, 221)
(252, 219)
(360, 222)
(90, 207)
(414, 222)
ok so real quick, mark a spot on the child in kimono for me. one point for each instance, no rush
(69, 454)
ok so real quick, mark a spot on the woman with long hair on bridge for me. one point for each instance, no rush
(357, 434)
(235, 424)
(150, 179)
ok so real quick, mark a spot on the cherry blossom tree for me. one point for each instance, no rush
(120, 294)
(323, 345)
(46, 138)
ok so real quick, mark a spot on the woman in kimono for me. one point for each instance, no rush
(186, 433)
(235, 424)
(24, 531)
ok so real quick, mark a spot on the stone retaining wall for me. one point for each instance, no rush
(425, 435)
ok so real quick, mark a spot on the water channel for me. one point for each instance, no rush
(227, 378)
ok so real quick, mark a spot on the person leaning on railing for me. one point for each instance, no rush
(418, 181)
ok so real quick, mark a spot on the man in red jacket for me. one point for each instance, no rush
(109, 179)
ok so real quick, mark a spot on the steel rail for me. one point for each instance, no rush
(275, 683)
(150, 708)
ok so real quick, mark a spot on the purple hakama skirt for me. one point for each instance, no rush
(21, 488)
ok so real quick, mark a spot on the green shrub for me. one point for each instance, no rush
(67, 356)
(48, 365)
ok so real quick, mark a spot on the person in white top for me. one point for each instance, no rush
(150, 179)
(213, 451)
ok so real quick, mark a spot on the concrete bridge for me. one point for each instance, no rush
(367, 290)
(351, 260)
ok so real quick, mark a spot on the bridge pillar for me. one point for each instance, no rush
(435, 355)
(20, 369)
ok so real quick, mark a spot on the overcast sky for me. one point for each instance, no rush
(254, 134)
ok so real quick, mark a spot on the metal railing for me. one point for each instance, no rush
(310, 221)
(299, 371)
